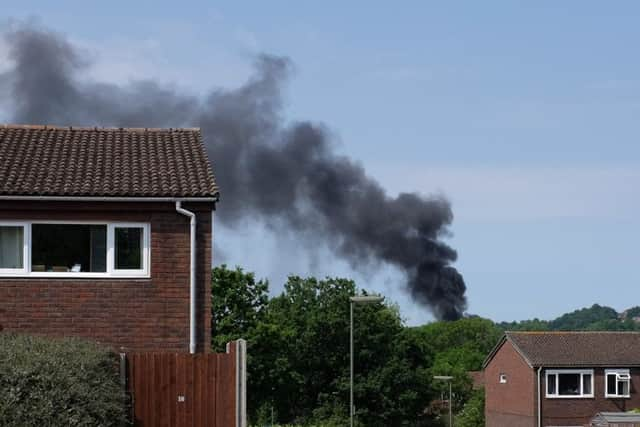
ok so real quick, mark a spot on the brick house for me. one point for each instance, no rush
(107, 234)
(546, 379)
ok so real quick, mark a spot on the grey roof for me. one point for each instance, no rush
(105, 162)
(618, 417)
(566, 349)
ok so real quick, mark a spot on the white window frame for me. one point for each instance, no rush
(616, 372)
(111, 248)
(26, 262)
(111, 270)
(556, 372)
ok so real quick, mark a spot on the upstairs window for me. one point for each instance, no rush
(65, 249)
(567, 383)
(617, 383)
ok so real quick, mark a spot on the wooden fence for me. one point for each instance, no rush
(188, 390)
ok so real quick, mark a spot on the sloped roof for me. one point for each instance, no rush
(574, 349)
(618, 417)
(105, 162)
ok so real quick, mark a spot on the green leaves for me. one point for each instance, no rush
(472, 414)
(58, 382)
(237, 305)
(594, 318)
(298, 349)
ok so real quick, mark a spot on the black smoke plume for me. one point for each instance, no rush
(284, 174)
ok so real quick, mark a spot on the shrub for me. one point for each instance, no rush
(59, 382)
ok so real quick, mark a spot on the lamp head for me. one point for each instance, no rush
(366, 299)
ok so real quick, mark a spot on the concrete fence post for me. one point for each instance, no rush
(241, 382)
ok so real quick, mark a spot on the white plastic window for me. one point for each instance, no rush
(569, 383)
(13, 248)
(74, 249)
(617, 383)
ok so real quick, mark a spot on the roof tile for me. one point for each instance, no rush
(104, 162)
(593, 348)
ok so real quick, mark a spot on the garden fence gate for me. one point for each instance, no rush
(188, 390)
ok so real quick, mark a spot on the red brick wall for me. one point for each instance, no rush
(511, 404)
(579, 412)
(147, 314)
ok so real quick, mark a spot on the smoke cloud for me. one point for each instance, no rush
(285, 174)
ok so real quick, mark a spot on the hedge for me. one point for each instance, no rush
(59, 382)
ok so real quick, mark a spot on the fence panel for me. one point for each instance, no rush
(185, 390)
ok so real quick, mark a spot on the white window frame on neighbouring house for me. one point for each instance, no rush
(622, 375)
(557, 372)
(111, 270)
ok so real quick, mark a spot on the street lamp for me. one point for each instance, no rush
(448, 379)
(364, 299)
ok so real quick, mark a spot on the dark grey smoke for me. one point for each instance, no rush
(283, 174)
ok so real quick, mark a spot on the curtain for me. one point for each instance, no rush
(11, 247)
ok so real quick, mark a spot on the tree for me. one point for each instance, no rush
(456, 348)
(304, 339)
(298, 352)
(472, 414)
(238, 304)
(583, 318)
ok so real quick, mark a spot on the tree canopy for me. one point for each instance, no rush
(298, 349)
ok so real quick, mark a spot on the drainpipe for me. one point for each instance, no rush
(539, 403)
(192, 276)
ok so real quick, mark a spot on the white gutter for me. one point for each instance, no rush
(192, 276)
(539, 403)
(109, 199)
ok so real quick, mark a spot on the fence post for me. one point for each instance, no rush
(241, 383)
(123, 382)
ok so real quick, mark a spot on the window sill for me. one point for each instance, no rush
(586, 396)
(613, 396)
(74, 276)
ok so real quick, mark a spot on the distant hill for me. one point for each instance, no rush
(594, 318)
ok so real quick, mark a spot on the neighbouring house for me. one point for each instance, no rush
(546, 379)
(107, 234)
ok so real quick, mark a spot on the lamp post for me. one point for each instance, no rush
(448, 379)
(364, 299)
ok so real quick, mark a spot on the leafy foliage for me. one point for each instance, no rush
(583, 318)
(299, 353)
(457, 348)
(59, 383)
(472, 414)
(594, 318)
(238, 303)
(298, 349)
(632, 312)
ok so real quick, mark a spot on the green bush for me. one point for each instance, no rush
(58, 382)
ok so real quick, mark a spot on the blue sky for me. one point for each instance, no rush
(524, 114)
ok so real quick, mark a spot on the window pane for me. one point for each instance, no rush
(128, 248)
(551, 384)
(569, 384)
(69, 248)
(11, 247)
(586, 384)
(611, 383)
(623, 387)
